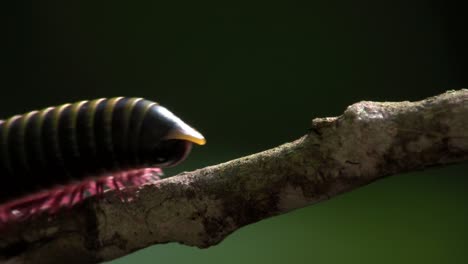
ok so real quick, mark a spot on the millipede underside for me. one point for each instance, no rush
(66, 196)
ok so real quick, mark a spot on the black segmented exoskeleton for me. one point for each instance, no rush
(67, 144)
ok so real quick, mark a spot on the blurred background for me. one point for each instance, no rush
(251, 76)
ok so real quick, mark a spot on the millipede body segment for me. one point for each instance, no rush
(75, 149)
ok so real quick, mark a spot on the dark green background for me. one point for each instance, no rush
(250, 76)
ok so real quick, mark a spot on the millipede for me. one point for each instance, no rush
(58, 156)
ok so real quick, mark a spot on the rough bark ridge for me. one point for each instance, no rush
(369, 141)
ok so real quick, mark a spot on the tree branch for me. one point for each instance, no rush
(369, 141)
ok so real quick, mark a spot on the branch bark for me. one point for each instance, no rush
(371, 140)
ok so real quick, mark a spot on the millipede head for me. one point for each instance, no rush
(165, 139)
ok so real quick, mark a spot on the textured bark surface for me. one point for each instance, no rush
(369, 141)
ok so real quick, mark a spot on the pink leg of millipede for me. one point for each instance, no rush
(51, 201)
